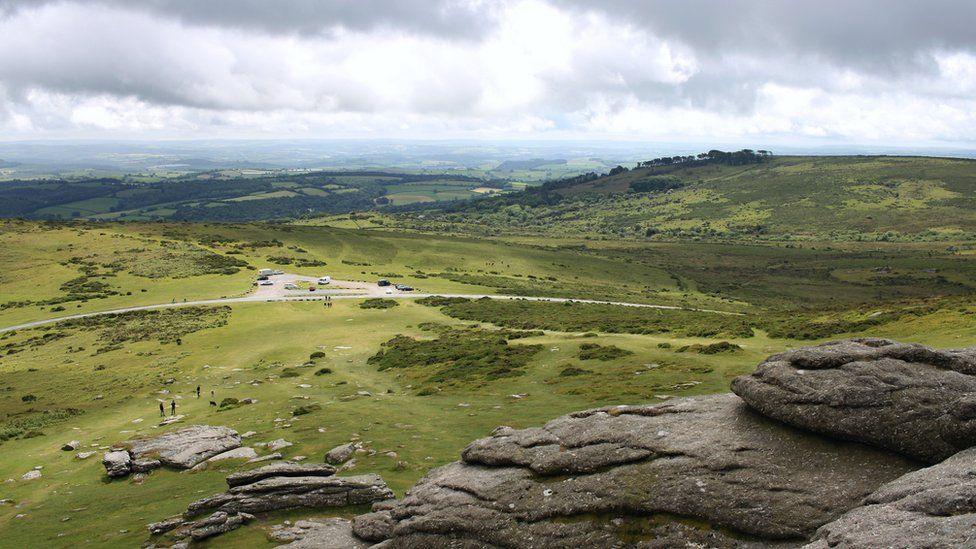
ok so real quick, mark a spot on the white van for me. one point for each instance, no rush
(266, 272)
(325, 279)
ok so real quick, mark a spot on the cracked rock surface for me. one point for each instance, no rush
(180, 449)
(705, 470)
(292, 485)
(907, 398)
(933, 507)
(318, 533)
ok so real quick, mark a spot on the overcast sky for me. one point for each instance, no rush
(896, 72)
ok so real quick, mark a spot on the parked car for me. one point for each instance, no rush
(290, 286)
(311, 288)
(382, 282)
(266, 283)
(403, 288)
(262, 277)
(325, 279)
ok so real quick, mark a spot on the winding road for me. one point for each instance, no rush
(274, 294)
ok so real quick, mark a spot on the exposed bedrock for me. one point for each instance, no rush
(908, 398)
(706, 470)
(933, 507)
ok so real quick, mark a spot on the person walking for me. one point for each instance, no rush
(172, 407)
(198, 391)
(162, 411)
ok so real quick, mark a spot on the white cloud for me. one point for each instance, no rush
(105, 68)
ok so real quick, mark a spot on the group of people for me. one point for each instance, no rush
(172, 404)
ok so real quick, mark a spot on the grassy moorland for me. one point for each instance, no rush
(781, 198)
(422, 378)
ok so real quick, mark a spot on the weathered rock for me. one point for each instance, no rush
(315, 533)
(341, 454)
(376, 526)
(166, 525)
(217, 523)
(185, 447)
(31, 475)
(709, 459)
(84, 455)
(911, 399)
(117, 464)
(931, 507)
(280, 470)
(288, 492)
(144, 465)
(267, 457)
(70, 446)
(278, 444)
(244, 452)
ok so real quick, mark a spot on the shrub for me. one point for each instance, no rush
(306, 409)
(290, 372)
(316, 355)
(323, 371)
(592, 351)
(378, 303)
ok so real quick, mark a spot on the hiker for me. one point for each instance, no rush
(198, 391)
(162, 411)
(172, 407)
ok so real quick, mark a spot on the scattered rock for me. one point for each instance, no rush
(342, 453)
(279, 444)
(197, 530)
(268, 457)
(911, 399)
(71, 446)
(31, 475)
(172, 419)
(117, 464)
(248, 434)
(244, 452)
(931, 507)
(316, 533)
(720, 465)
(84, 455)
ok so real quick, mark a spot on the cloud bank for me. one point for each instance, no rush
(758, 71)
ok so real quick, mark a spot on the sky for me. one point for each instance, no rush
(766, 72)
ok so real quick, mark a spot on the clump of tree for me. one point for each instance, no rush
(714, 156)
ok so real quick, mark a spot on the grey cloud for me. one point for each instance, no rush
(448, 18)
(874, 35)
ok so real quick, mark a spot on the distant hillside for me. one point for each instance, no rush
(833, 198)
(228, 195)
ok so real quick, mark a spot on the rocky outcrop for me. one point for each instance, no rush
(592, 479)
(316, 533)
(289, 492)
(911, 399)
(931, 507)
(117, 464)
(271, 488)
(280, 470)
(180, 449)
(197, 530)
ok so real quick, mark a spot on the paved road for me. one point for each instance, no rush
(343, 290)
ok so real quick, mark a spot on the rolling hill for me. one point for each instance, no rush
(782, 198)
